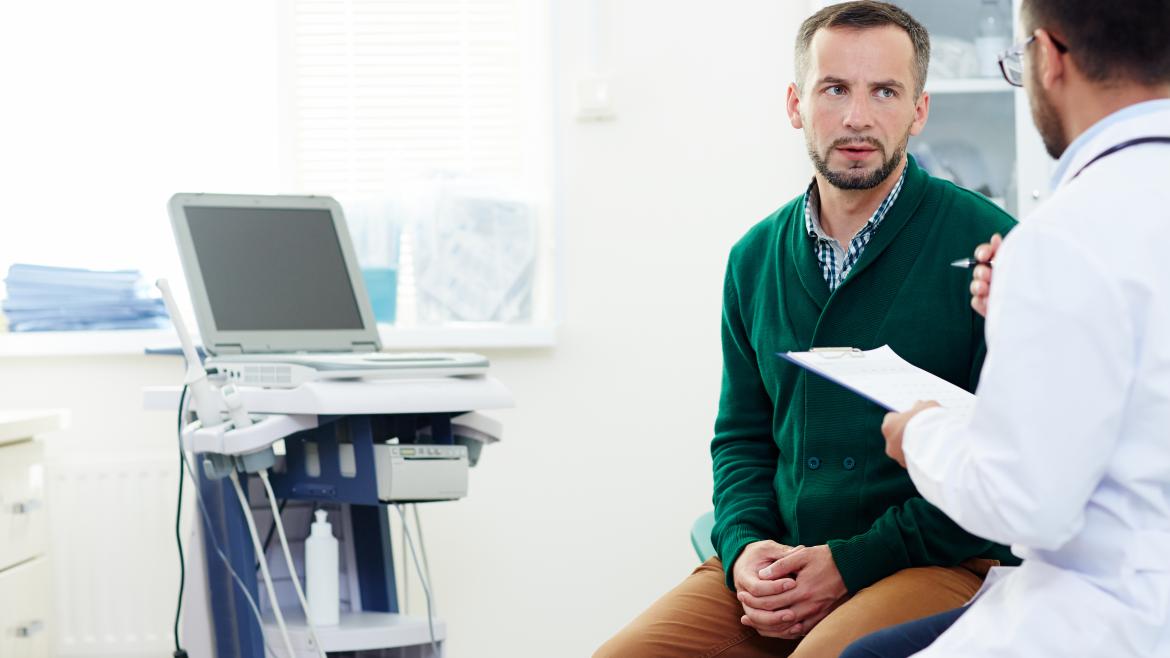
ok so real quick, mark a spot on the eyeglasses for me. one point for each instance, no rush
(1011, 61)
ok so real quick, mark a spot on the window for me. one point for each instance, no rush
(429, 120)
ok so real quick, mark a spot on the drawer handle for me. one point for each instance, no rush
(27, 506)
(30, 629)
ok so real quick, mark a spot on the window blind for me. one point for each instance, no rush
(437, 110)
(380, 90)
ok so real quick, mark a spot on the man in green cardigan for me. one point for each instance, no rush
(821, 538)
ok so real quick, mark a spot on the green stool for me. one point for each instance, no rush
(701, 535)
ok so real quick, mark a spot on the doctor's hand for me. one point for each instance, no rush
(981, 277)
(801, 589)
(894, 425)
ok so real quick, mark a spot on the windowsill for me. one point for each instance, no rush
(468, 336)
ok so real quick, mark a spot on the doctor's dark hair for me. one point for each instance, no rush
(864, 15)
(1119, 41)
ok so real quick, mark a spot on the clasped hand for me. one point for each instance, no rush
(786, 590)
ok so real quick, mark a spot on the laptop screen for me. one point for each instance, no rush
(273, 269)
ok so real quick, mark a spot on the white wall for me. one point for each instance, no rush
(102, 122)
(580, 518)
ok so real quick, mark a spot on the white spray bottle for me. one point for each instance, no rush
(322, 579)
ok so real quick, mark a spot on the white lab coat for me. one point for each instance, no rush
(1067, 455)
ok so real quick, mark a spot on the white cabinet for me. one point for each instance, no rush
(25, 583)
(980, 132)
(24, 609)
(23, 530)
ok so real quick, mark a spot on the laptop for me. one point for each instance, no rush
(279, 297)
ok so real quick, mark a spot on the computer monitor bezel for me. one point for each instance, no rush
(217, 341)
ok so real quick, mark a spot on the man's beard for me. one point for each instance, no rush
(857, 178)
(1047, 122)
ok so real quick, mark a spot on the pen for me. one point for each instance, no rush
(966, 263)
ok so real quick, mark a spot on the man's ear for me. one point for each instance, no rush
(793, 106)
(1052, 68)
(921, 112)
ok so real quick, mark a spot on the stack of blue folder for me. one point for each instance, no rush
(42, 298)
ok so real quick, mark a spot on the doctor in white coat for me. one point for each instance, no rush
(1067, 455)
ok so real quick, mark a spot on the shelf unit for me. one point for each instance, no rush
(968, 86)
(363, 631)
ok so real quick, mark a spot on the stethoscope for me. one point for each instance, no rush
(1121, 147)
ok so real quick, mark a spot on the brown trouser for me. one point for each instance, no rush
(700, 617)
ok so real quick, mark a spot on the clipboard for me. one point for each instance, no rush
(882, 377)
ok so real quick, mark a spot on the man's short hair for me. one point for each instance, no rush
(1128, 40)
(864, 15)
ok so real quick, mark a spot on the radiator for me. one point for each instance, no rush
(115, 564)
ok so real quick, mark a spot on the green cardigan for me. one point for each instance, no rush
(800, 460)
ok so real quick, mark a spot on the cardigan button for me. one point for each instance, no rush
(814, 463)
(849, 463)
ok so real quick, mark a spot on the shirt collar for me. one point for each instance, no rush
(1124, 114)
(812, 208)
(812, 212)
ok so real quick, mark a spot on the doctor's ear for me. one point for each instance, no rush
(1051, 63)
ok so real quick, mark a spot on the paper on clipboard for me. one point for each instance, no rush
(883, 377)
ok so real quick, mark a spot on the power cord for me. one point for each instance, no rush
(423, 580)
(179, 651)
(207, 524)
(422, 548)
(276, 612)
(271, 531)
(292, 569)
(226, 562)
